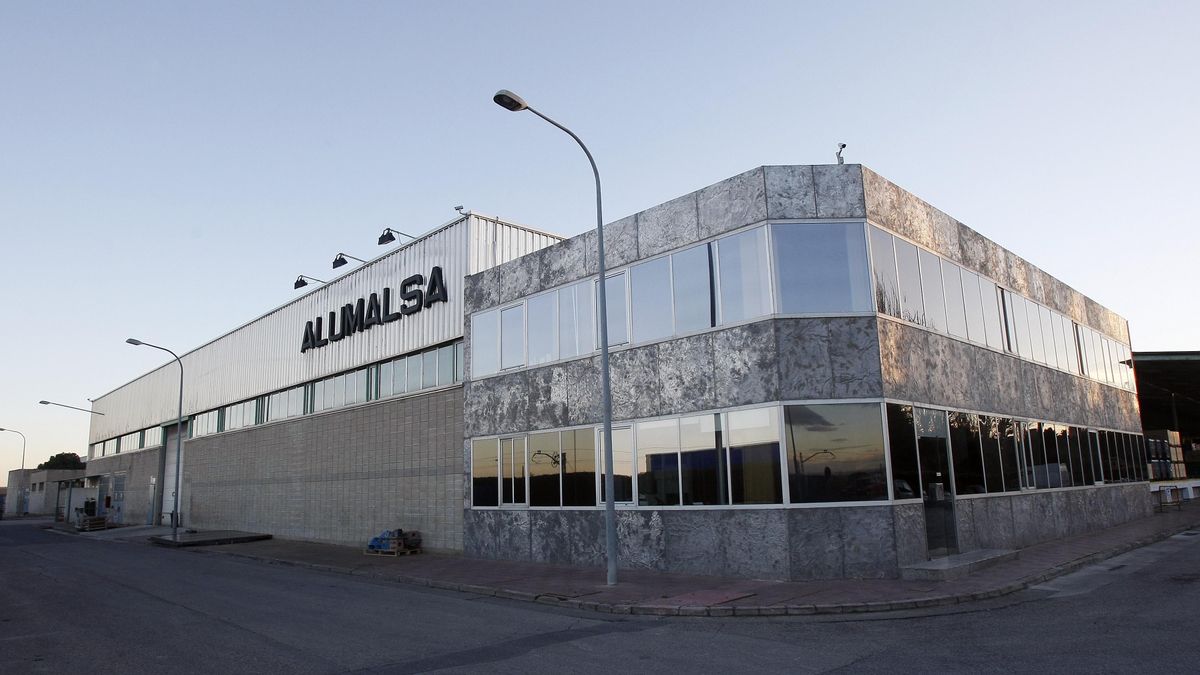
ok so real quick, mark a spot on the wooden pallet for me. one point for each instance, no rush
(91, 523)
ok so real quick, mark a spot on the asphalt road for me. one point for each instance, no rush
(68, 604)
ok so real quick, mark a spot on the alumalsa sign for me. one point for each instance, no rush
(375, 310)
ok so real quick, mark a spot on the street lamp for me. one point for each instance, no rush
(301, 283)
(340, 260)
(64, 405)
(178, 431)
(389, 235)
(510, 101)
(25, 496)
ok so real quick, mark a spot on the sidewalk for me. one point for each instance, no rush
(663, 594)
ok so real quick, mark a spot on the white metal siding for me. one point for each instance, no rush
(264, 356)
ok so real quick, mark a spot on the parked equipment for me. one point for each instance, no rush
(394, 542)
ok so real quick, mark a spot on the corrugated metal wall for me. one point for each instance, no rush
(264, 356)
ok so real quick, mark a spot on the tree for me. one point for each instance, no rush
(63, 460)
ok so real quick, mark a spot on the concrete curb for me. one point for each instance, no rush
(649, 609)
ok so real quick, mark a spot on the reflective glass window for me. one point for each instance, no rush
(618, 327)
(543, 319)
(754, 469)
(459, 361)
(703, 468)
(512, 337)
(966, 449)
(1010, 453)
(973, 307)
(1084, 474)
(933, 291)
(933, 445)
(429, 369)
(883, 262)
(622, 465)
(414, 365)
(742, 268)
(993, 326)
(485, 341)
(485, 482)
(579, 467)
(821, 267)
(512, 471)
(912, 307)
(989, 439)
(1035, 455)
(400, 375)
(902, 448)
(1065, 459)
(544, 460)
(385, 379)
(650, 288)
(575, 325)
(956, 308)
(1047, 318)
(691, 276)
(445, 361)
(835, 452)
(1034, 326)
(658, 463)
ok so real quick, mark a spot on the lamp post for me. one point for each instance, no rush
(178, 432)
(64, 405)
(24, 490)
(510, 101)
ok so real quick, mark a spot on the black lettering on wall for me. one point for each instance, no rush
(388, 315)
(373, 317)
(436, 292)
(413, 295)
(309, 340)
(335, 333)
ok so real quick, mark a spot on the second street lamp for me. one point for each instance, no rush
(510, 101)
(178, 432)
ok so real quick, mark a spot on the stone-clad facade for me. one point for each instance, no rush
(781, 359)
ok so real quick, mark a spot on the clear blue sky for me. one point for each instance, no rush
(167, 169)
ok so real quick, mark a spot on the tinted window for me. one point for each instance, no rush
(887, 285)
(622, 465)
(702, 462)
(745, 288)
(576, 327)
(990, 296)
(651, 291)
(821, 267)
(512, 337)
(579, 467)
(835, 452)
(911, 306)
(902, 444)
(754, 456)
(485, 341)
(484, 477)
(966, 449)
(544, 461)
(956, 310)
(542, 342)
(614, 299)
(691, 273)
(658, 463)
(932, 291)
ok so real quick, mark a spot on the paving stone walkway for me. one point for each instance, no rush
(660, 593)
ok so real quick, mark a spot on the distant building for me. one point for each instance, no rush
(1168, 386)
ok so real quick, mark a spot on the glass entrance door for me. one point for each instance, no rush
(937, 481)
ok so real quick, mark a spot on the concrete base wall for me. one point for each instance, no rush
(854, 542)
(339, 477)
(1017, 521)
(141, 472)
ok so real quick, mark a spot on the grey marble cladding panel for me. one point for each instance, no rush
(641, 541)
(481, 291)
(620, 245)
(667, 226)
(520, 277)
(636, 389)
(732, 203)
(828, 358)
(755, 543)
(686, 374)
(839, 191)
(694, 542)
(817, 550)
(908, 523)
(745, 364)
(791, 192)
(562, 263)
(869, 541)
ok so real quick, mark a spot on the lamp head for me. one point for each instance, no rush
(300, 283)
(44, 402)
(339, 261)
(509, 101)
(387, 237)
(134, 341)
